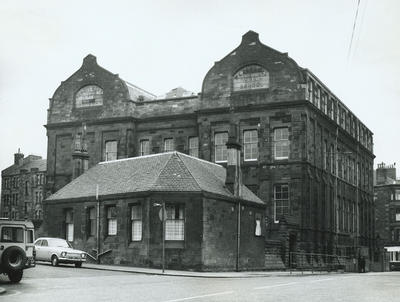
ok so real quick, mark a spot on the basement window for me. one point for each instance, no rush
(111, 221)
(69, 225)
(175, 223)
(136, 222)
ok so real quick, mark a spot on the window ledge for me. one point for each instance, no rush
(175, 244)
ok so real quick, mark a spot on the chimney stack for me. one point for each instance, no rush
(18, 158)
(385, 174)
(233, 179)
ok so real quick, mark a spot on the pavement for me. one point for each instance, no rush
(241, 274)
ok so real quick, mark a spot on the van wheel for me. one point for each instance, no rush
(15, 276)
(13, 259)
(54, 260)
(78, 264)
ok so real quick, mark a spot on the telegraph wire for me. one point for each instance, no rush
(360, 26)
(352, 33)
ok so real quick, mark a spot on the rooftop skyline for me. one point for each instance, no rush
(159, 46)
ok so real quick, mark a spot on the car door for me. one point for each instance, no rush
(45, 250)
(38, 249)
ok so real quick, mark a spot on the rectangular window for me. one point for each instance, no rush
(397, 195)
(169, 145)
(69, 225)
(310, 91)
(281, 201)
(250, 144)
(111, 221)
(281, 143)
(325, 155)
(175, 223)
(111, 150)
(144, 147)
(92, 225)
(194, 146)
(26, 188)
(221, 152)
(397, 214)
(136, 222)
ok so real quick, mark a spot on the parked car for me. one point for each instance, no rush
(57, 250)
(17, 251)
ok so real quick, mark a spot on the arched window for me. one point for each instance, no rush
(251, 77)
(89, 96)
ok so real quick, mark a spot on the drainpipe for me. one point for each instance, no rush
(98, 223)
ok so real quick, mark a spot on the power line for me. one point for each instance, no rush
(360, 26)
(354, 28)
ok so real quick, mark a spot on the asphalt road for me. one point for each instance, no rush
(67, 283)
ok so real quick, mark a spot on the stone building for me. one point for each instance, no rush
(387, 201)
(305, 153)
(201, 213)
(22, 189)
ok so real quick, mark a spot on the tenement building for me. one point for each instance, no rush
(387, 201)
(304, 153)
(22, 188)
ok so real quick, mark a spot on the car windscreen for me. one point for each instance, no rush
(12, 234)
(59, 243)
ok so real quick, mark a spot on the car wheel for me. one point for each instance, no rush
(13, 259)
(15, 276)
(54, 260)
(78, 264)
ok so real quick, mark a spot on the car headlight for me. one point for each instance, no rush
(63, 254)
(83, 255)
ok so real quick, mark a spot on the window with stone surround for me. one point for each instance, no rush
(89, 96)
(175, 223)
(281, 201)
(69, 225)
(250, 145)
(136, 222)
(397, 214)
(281, 143)
(169, 144)
(221, 152)
(111, 220)
(144, 147)
(111, 150)
(194, 146)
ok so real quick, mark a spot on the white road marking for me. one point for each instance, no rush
(320, 280)
(202, 296)
(275, 285)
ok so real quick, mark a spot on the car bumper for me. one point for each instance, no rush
(70, 260)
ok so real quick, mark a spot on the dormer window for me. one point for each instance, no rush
(89, 96)
(251, 77)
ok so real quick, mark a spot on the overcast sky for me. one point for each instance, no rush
(160, 45)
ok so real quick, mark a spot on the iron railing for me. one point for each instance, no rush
(318, 262)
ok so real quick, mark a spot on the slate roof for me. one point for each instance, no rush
(28, 164)
(164, 172)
